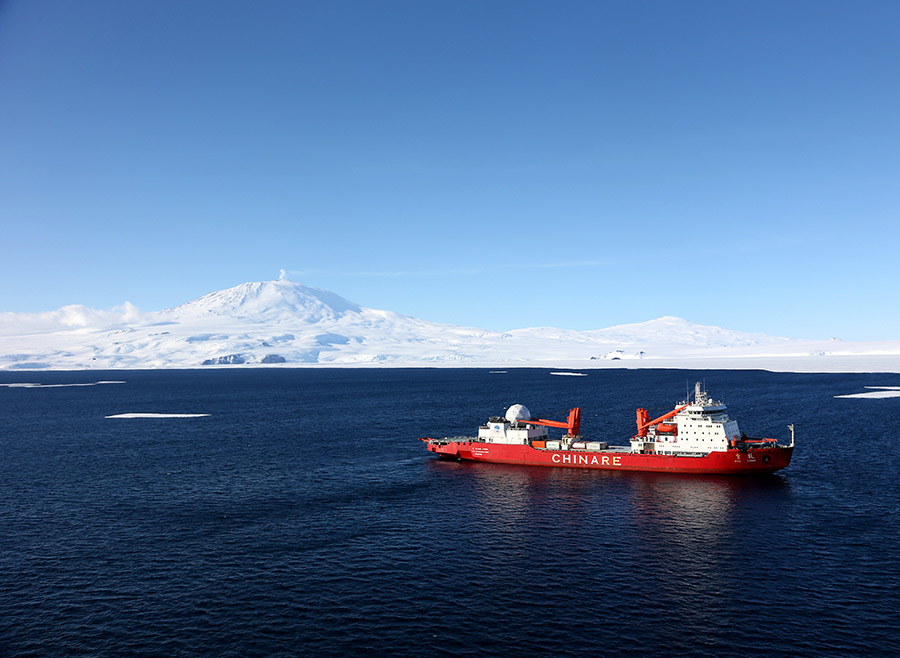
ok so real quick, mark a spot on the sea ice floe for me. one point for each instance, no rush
(38, 385)
(878, 392)
(149, 415)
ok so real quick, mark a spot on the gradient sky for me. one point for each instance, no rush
(487, 163)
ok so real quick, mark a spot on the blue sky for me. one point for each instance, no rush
(493, 164)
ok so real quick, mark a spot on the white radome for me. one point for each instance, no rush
(518, 412)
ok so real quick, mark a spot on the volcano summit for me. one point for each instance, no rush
(283, 322)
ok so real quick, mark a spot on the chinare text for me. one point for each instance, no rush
(588, 460)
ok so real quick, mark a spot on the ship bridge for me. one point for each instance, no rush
(700, 425)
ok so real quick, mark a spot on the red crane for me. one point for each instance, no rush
(644, 423)
(572, 424)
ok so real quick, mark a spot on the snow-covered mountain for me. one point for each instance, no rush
(269, 301)
(253, 323)
(282, 322)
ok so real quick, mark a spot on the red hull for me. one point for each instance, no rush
(755, 460)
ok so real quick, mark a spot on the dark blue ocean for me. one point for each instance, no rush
(303, 518)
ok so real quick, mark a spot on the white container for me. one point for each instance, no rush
(552, 445)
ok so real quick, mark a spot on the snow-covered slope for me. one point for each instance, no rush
(666, 335)
(268, 301)
(253, 323)
(282, 322)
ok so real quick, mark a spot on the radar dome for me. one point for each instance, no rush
(518, 412)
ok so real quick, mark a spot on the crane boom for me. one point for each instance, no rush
(643, 424)
(572, 424)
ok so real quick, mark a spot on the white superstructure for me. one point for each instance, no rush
(701, 425)
(512, 429)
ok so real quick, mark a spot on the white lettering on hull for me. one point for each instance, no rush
(586, 460)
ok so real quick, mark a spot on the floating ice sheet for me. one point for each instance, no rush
(38, 385)
(152, 415)
(878, 392)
